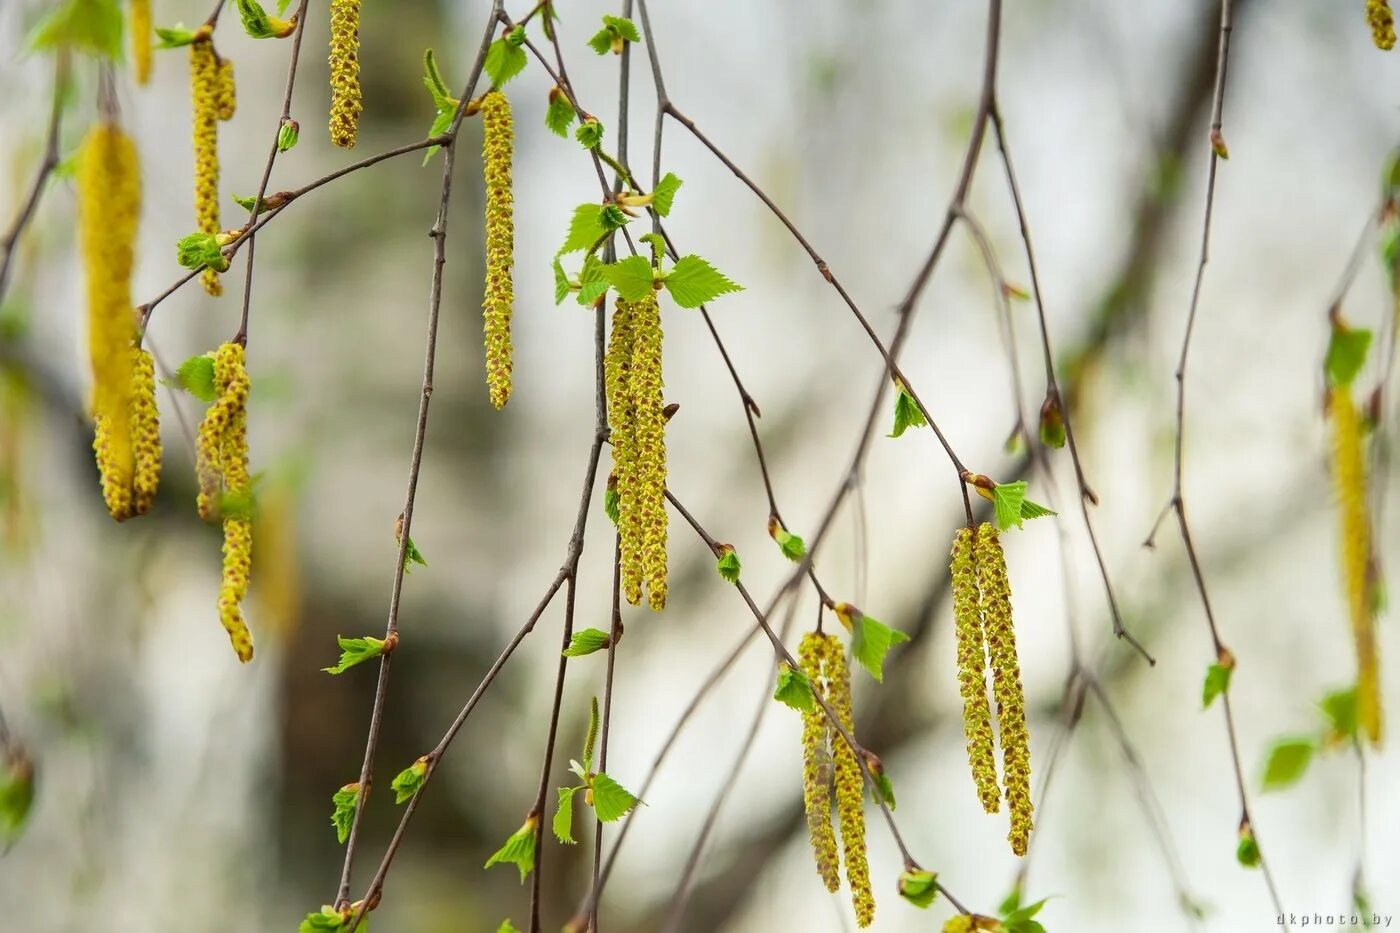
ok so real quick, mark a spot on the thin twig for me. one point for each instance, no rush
(47, 164)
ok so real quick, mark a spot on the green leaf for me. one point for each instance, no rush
(611, 800)
(586, 642)
(16, 796)
(411, 555)
(665, 193)
(560, 115)
(728, 565)
(1007, 498)
(585, 229)
(623, 27)
(562, 286)
(1288, 760)
(516, 37)
(792, 546)
(602, 40)
(906, 414)
(610, 505)
(593, 280)
(504, 60)
(918, 887)
(506, 927)
(237, 503)
(884, 786)
(518, 850)
(355, 651)
(325, 920)
(630, 277)
(589, 134)
(590, 738)
(174, 37)
(1346, 354)
(196, 376)
(1339, 707)
(871, 640)
(1247, 852)
(441, 124)
(692, 281)
(564, 815)
(1011, 902)
(199, 250)
(410, 780)
(1031, 510)
(1024, 913)
(346, 801)
(1217, 682)
(91, 26)
(258, 24)
(287, 135)
(1052, 423)
(613, 217)
(794, 689)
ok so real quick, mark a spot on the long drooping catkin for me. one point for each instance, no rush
(649, 492)
(817, 765)
(1382, 23)
(622, 419)
(345, 72)
(850, 783)
(990, 563)
(972, 672)
(497, 148)
(109, 197)
(206, 93)
(145, 432)
(141, 32)
(1349, 474)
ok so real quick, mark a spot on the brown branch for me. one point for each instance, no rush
(47, 164)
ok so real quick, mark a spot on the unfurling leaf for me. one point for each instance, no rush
(504, 60)
(728, 564)
(586, 642)
(692, 281)
(664, 194)
(1288, 760)
(794, 689)
(1247, 852)
(1217, 682)
(355, 651)
(411, 555)
(346, 801)
(906, 413)
(564, 815)
(1346, 353)
(871, 640)
(918, 887)
(258, 24)
(1339, 707)
(410, 780)
(631, 278)
(611, 800)
(196, 376)
(1052, 422)
(560, 115)
(518, 850)
(174, 37)
(589, 134)
(199, 250)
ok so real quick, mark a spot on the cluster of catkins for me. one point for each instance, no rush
(225, 493)
(829, 762)
(127, 428)
(982, 614)
(497, 150)
(638, 422)
(214, 99)
(1382, 23)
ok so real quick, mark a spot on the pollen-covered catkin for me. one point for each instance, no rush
(972, 672)
(497, 149)
(141, 31)
(1349, 474)
(345, 72)
(649, 494)
(205, 94)
(850, 783)
(990, 562)
(1382, 23)
(109, 198)
(145, 432)
(817, 766)
(227, 99)
(622, 419)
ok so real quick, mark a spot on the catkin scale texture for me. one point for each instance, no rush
(650, 491)
(817, 766)
(972, 671)
(206, 93)
(622, 422)
(850, 784)
(145, 432)
(1349, 475)
(346, 103)
(497, 152)
(1382, 22)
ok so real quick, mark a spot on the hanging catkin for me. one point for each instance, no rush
(1349, 474)
(498, 144)
(109, 198)
(145, 432)
(623, 423)
(141, 32)
(850, 783)
(649, 492)
(1382, 23)
(817, 765)
(990, 563)
(972, 672)
(206, 93)
(226, 99)
(345, 72)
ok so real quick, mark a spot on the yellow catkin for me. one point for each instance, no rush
(1349, 474)
(622, 419)
(817, 766)
(498, 145)
(972, 672)
(141, 32)
(650, 492)
(1382, 22)
(205, 95)
(990, 562)
(145, 432)
(109, 198)
(345, 72)
(850, 784)
(226, 102)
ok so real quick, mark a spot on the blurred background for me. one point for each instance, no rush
(180, 790)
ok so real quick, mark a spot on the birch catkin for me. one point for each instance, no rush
(141, 31)
(1349, 474)
(622, 418)
(206, 93)
(345, 72)
(498, 144)
(145, 432)
(850, 784)
(109, 197)
(990, 562)
(226, 98)
(817, 765)
(650, 491)
(972, 672)
(1382, 23)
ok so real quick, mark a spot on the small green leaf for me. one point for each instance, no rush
(506, 927)
(1288, 760)
(326, 920)
(665, 193)
(287, 135)
(692, 281)
(590, 738)
(1052, 423)
(792, 546)
(623, 27)
(518, 850)
(592, 280)
(258, 24)
(199, 250)
(91, 26)
(560, 115)
(1346, 354)
(1031, 510)
(355, 651)
(174, 37)
(585, 229)
(1339, 707)
(611, 800)
(630, 277)
(247, 202)
(884, 787)
(906, 414)
(1011, 902)
(1007, 498)
(1217, 682)
(1024, 913)
(564, 815)
(871, 640)
(601, 41)
(346, 801)
(611, 499)
(410, 780)
(504, 60)
(516, 37)
(561, 282)
(196, 376)
(794, 689)
(728, 565)
(411, 555)
(918, 887)
(589, 134)
(586, 642)
(1247, 852)
(16, 795)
